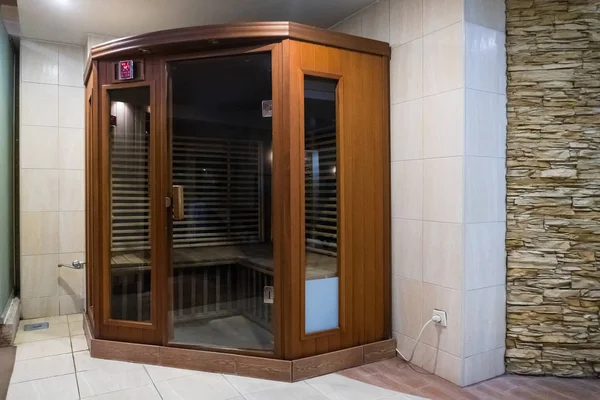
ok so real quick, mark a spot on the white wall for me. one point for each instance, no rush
(51, 177)
(448, 187)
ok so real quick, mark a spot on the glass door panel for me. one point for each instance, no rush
(222, 247)
(130, 266)
(320, 205)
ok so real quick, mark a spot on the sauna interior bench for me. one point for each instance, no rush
(259, 257)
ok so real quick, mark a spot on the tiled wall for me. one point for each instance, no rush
(94, 40)
(51, 177)
(448, 186)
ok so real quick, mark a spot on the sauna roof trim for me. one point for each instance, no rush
(213, 37)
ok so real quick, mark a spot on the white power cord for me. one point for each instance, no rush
(436, 319)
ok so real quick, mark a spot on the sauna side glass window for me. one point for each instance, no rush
(320, 204)
(130, 204)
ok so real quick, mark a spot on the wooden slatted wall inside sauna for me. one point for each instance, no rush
(222, 180)
(320, 182)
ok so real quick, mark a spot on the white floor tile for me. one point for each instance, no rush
(338, 387)
(139, 393)
(53, 331)
(44, 367)
(76, 328)
(51, 320)
(74, 317)
(246, 385)
(100, 381)
(83, 362)
(161, 374)
(43, 348)
(56, 388)
(202, 386)
(294, 391)
(79, 343)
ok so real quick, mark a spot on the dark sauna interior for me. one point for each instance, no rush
(222, 256)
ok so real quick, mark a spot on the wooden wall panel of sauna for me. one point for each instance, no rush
(363, 197)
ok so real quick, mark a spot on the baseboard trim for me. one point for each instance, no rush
(234, 364)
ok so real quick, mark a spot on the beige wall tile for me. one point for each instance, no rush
(350, 26)
(406, 72)
(405, 345)
(39, 104)
(444, 124)
(483, 366)
(407, 248)
(406, 21)
(376, 21)
(39, 233)
(71, 281)
(70, 65)
(71, 190)
(485, 255)
(39, 190)
(438, 14)
(485, 124)
(490, 13)
(71, 148)
(407, 189)
(485, 320)
(443, 190)
(70, 107)
(39, 62)
(406, 310)
(407, 130)
(71, 231)
(441, 363)
(450, 338)
(485, 189)
(40, 307)
(485, 59)
(39, 276)
(443, 254)
(94, 40)
(38, 147)
(70, 304)
(443, 60)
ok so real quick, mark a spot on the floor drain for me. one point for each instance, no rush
(36, 327)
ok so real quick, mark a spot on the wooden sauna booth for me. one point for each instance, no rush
(238, 200)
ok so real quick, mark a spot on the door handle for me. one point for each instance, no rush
(178, 210)
(74, 265)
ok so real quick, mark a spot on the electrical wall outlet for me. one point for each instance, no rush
(442, 315)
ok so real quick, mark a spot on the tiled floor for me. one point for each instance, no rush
(396, 375)
(55, 364)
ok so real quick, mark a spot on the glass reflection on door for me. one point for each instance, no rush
(222, 249)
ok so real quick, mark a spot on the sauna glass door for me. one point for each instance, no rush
(222, 272)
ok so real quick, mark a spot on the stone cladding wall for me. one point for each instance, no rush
(553, 187)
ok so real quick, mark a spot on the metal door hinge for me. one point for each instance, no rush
(268, 294)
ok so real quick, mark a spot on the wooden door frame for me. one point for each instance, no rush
(279, 204)
(108, 328)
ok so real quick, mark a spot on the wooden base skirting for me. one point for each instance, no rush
(254, 367)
